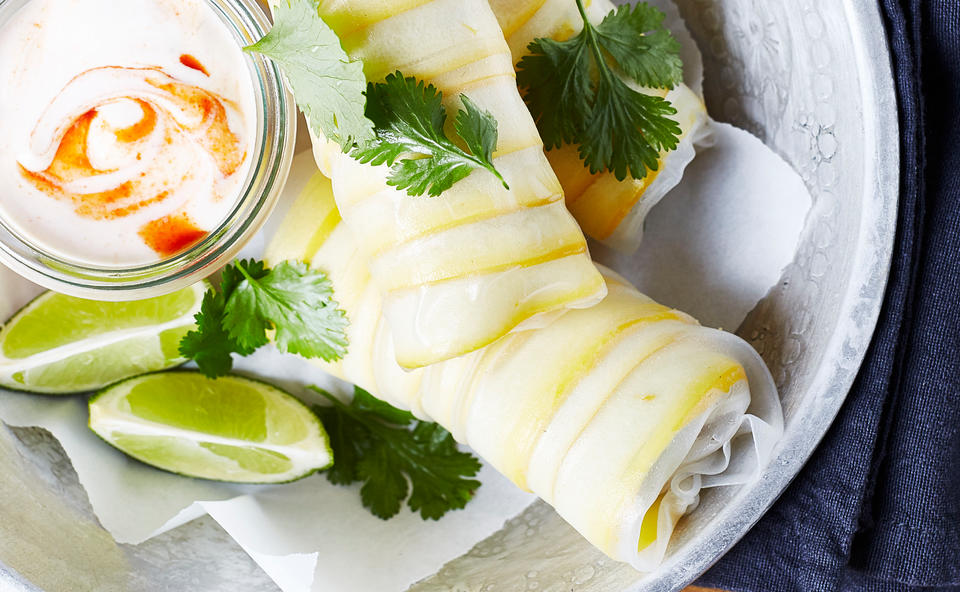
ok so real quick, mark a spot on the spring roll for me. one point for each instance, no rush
(608, 210)
(616, 415)
(516, 254)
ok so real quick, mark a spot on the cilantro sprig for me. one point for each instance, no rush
(396, 457)
(291, 299)
(409, 117)
(577, 97)
(398, 122)
(327, 84)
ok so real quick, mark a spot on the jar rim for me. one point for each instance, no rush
(270, 165)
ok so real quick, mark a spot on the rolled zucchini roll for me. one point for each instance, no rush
(608, 210)
(616, 415)
(461, 270)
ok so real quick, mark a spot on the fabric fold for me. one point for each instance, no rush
(875, 508)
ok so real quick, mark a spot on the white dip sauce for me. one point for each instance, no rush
(127, 127)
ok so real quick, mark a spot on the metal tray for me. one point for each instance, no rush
(812, 79)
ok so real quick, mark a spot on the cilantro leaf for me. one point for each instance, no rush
(230, 275)
(576, 97)
(399, 117)
(231, 278)
(649, 131)
(642, 47)
(478, 130)
(328, 85)
(564, 103)
(291, 299)
(409, 117)
(210, 346)
(396, 457)
(348, 449)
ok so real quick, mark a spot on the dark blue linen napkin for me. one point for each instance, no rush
(877, 508)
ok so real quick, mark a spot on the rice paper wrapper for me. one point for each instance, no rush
(578, 410)
(726, 445)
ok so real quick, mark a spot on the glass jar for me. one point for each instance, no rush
(270, 164)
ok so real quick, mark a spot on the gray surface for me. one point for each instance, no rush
(56, 542)
(811, 78)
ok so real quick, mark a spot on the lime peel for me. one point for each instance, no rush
(99, 359)
(197, 453)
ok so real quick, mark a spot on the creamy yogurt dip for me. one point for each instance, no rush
(127, 127)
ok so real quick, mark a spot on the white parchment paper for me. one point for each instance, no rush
(714, 246)
(718, 242)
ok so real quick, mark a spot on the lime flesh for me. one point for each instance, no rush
(59, 344)
(229, 429)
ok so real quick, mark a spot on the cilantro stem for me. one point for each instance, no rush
(243, 272)
(583, 13)
(436, 148)
(491, 168)
(590, 34)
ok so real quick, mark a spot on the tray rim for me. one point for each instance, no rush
(834, 380)
(861, 302)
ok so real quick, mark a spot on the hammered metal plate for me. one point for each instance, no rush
(812, 79)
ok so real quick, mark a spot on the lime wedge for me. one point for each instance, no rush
(59, 344)
(228, 429)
